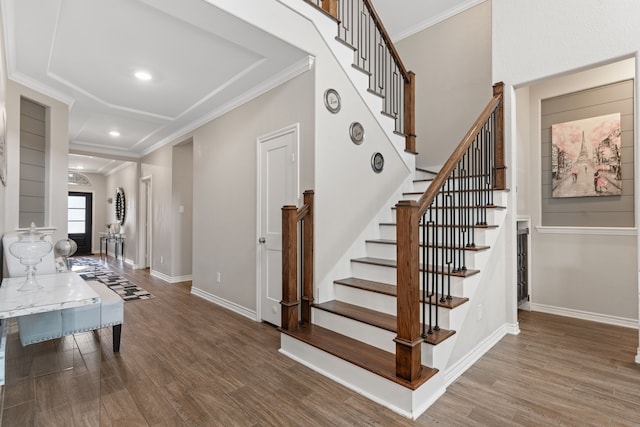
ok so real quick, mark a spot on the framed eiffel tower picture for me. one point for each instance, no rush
(586, 157)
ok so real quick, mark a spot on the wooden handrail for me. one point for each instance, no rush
(462, 148)
(291, 216)
(410, 223)
(383, 32)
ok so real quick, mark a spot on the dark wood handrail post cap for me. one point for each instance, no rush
(408, 343)
(498, 88)
(309, 192)
(289, 303)
(289, 208)
(407, 204)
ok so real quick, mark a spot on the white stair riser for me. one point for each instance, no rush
(421, 186)
(482, 236)
(499, 197)
(380, 338)
(388, 251)
(447, 318)
(490, 216)
(418, 174)
(368, 334)
(380, 273)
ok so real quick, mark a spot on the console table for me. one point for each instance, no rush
(59, 291)
(118, 241)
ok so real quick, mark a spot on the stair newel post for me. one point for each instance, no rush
(410, 112)
(499, 162)
(408, 341)
(307, 257)
(331, 7)
(289, 303)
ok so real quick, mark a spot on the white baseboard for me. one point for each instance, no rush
(474, 355)
(585, 315)
(229, 305)
(170, 279)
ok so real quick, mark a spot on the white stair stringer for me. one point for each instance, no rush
(328, 29)
(402, 400)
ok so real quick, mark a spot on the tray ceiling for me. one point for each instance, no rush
(85, 53)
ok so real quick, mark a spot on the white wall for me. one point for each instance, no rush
(534, 40)
(452, 62)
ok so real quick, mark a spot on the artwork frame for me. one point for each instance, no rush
(586, 157)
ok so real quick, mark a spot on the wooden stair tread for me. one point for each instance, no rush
(377, 319)
(392, 263)
(476, 226)
(476, 248)
(391, 290)
(365, 356)
(455, 207)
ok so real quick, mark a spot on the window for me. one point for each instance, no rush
(77, 215)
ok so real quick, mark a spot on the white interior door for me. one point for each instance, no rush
(278, 186)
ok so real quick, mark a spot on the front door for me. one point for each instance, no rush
(278, 186)
(79, 225)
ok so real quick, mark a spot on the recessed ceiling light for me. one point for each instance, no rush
(142, 75)
(114, 133)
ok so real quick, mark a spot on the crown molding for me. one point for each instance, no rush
(284, 76)
(435, 20)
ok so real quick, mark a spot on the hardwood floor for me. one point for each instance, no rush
(187, 362)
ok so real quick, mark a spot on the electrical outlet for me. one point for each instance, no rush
(479, 311)
(218, 277)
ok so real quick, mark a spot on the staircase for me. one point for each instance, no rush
(393, 324)
(352, 337)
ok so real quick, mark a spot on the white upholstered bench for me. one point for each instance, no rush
(39, 327)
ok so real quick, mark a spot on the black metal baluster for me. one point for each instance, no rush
(423, 275)
(301, 270)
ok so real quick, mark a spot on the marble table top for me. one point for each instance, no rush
(59, 291)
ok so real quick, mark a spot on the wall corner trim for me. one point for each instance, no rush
(604, 231)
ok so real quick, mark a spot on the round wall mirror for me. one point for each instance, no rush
(120, 205)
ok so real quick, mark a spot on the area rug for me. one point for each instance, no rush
(95, 270)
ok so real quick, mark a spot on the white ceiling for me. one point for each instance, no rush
(203, 61)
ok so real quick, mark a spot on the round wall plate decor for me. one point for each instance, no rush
(356, 132)
(332, 100)
(377, 162)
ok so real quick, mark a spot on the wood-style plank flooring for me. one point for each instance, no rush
(186, 362)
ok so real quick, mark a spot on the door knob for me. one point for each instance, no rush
(262, 240)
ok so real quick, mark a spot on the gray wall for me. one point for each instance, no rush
(33, 173)
(127, 178)
(182, 208)
(452, 62)
(225, 193)
(587, 272)
(600, 211)
(157, 165)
